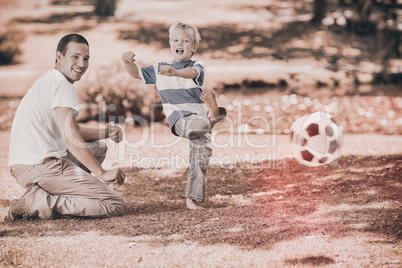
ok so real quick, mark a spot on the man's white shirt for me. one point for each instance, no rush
(34, 132)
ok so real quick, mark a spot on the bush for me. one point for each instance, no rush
(110, 94)
(10, 41)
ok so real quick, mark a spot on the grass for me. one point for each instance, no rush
(258, 213)
(347, 215)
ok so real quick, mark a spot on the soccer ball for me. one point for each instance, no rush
(316, 139)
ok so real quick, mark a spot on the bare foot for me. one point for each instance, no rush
(210, 100)
(191, 204)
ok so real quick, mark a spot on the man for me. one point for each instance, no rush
(52, 156)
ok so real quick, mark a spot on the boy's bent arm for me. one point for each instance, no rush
(132, 69)
(129, 64)
(188, 73)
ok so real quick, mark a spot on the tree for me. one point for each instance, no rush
(379, 18)
(105, 8)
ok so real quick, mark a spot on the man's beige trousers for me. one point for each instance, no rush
(64, 187)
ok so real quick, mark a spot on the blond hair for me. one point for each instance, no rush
(189, 29)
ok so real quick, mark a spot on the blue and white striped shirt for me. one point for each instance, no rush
(179, 96)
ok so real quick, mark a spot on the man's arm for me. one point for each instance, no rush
(129, 64)
(188, 73)
(111, 131)
(76, 145)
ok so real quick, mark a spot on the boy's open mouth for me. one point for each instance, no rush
(179, 51)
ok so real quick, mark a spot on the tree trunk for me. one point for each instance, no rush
(319, 11)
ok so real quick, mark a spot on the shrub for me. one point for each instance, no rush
(10, 41)
(110, 94)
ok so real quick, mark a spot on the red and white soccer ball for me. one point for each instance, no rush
(316, 139)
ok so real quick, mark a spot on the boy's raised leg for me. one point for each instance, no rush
(210, 101)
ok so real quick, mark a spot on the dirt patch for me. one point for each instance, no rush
(314, 261)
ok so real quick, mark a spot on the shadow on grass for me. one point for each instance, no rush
(229, 39)
(252, 207)
(234, 41)
(75, 21)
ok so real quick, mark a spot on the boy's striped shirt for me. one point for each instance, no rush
(179, 96)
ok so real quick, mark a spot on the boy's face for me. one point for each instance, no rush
(75, 62)
(181, 45)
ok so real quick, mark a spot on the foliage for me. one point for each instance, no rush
(110, 94)
(10, 41)
(105, 8)
(379, 20)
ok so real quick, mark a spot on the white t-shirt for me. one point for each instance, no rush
(34, 132)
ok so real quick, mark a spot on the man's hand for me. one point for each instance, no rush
(115, 132)
(167, 70)
(115, 175)
(128, 57)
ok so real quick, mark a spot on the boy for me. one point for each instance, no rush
(191, 112)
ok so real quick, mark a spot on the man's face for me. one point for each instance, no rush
(75, 62)
(181, 45)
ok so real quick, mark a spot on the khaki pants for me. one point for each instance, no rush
(63, 187)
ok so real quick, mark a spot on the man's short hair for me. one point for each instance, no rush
(76, 38)
(189, 29)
